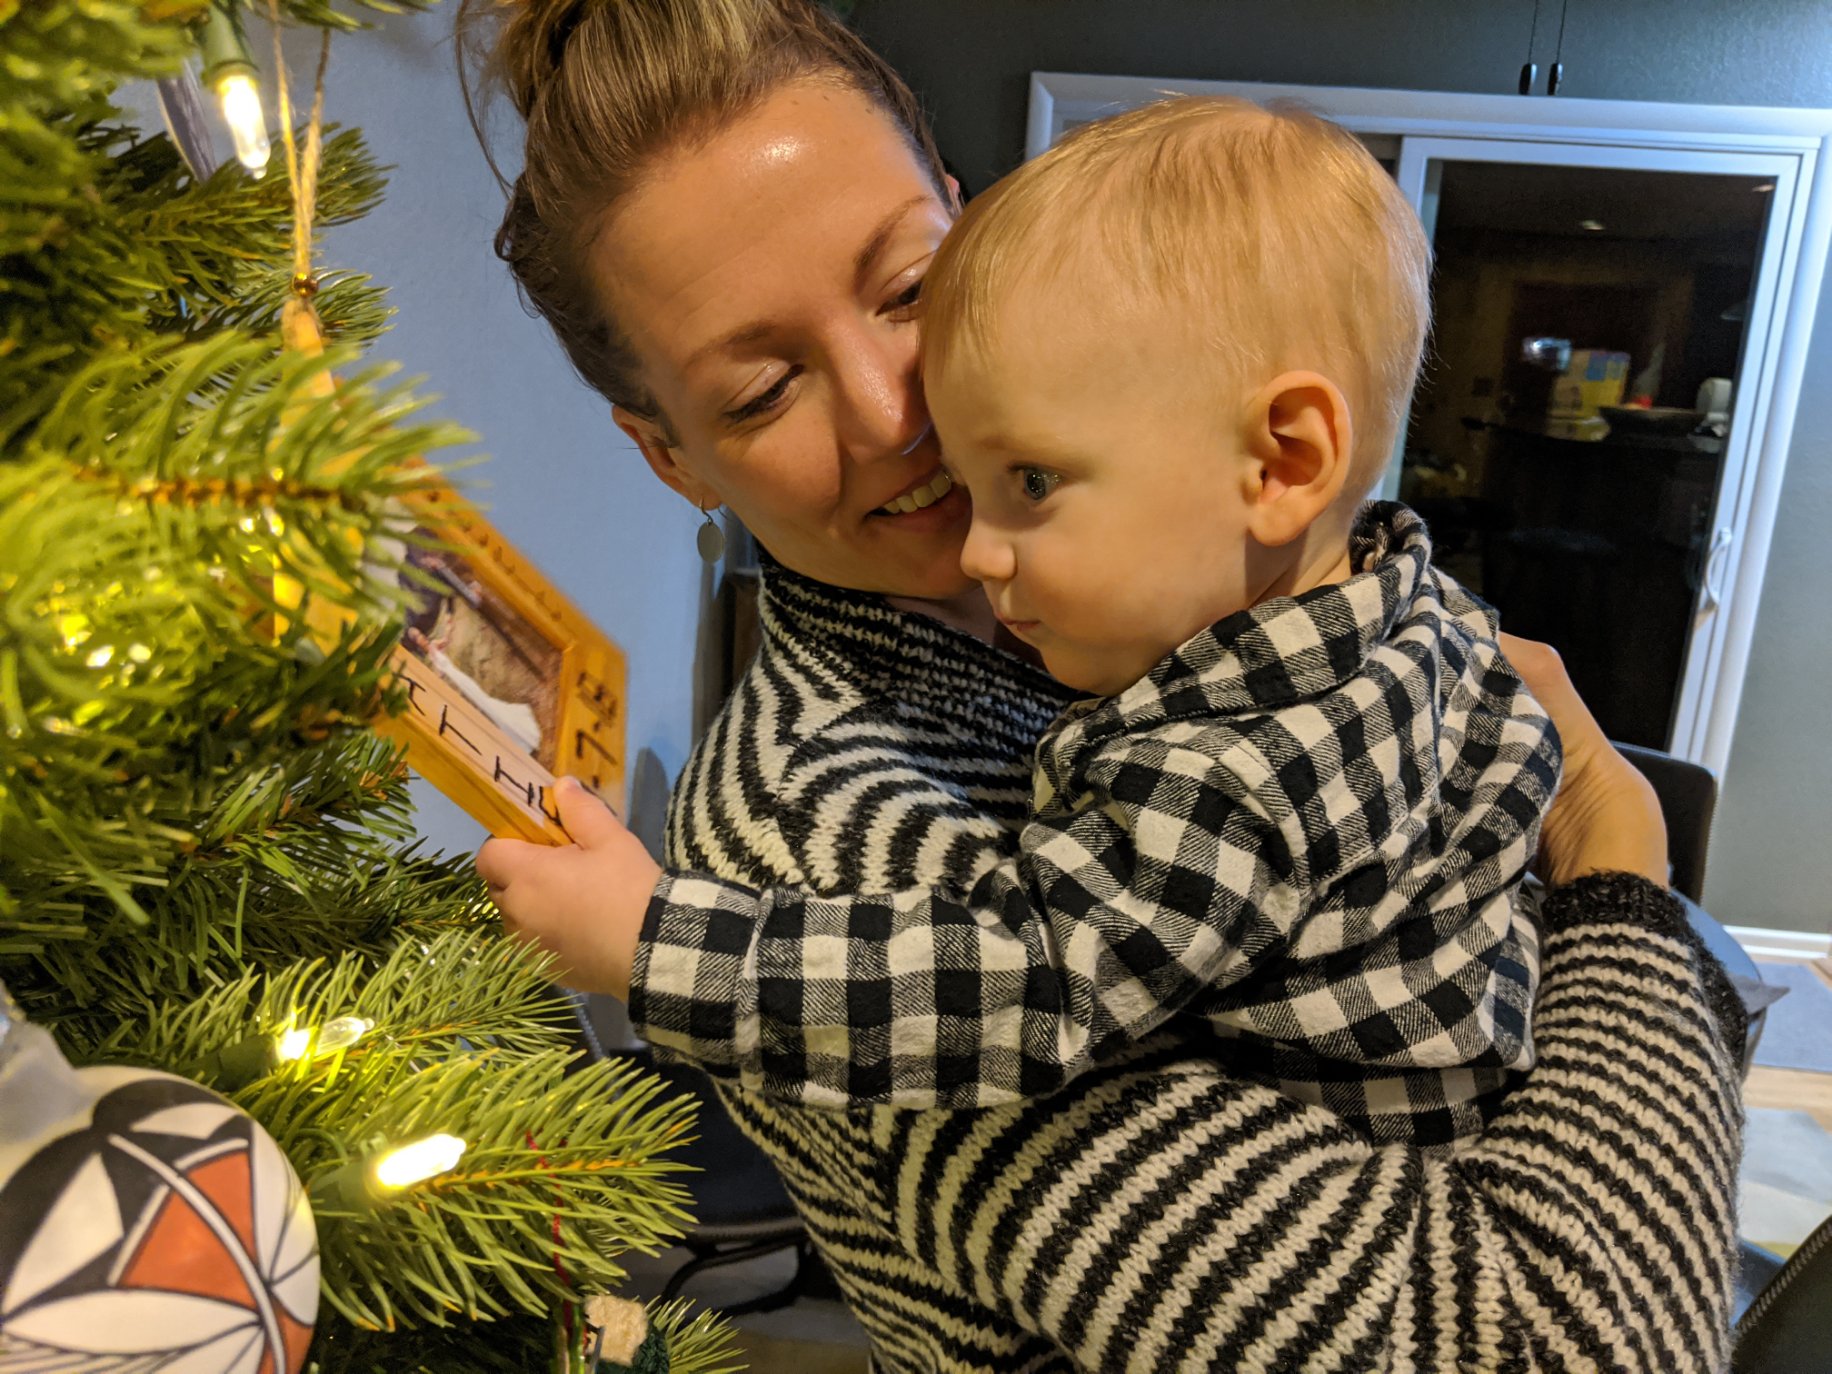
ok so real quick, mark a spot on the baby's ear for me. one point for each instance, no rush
(1301, 440)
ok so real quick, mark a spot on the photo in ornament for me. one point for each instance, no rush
(468, 633)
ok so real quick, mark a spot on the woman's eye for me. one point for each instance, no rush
(1038, 482)
(905, 300)
(763, 401)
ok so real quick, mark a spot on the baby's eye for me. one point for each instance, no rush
(1038, 482)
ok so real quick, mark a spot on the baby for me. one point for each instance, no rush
(1169, 360)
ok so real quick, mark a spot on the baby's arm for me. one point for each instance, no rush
(1162, 881)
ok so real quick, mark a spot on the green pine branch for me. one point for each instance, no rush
(204, 852)
(455, 991)
(145, 247)
(564, 1172)
(68, 54)
(142, 522)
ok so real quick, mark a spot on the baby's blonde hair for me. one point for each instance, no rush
(1266, 233)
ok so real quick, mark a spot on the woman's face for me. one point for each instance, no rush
(767, 279)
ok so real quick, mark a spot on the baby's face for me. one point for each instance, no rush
(1106, 468)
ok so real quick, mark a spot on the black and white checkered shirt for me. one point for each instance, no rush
(1307, 827)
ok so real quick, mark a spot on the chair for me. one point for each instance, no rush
(1785, 1330)
(741, 1210)
(1688, 798)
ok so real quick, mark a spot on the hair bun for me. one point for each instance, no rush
(521, 42)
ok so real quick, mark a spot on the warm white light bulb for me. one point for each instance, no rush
(423, 1159)
(247, 122)
(294, 1044)
(334, 1035)
(342, 1033)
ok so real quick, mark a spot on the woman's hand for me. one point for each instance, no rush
(1606, 818)
(584, 901)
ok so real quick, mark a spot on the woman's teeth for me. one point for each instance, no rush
(939, 487)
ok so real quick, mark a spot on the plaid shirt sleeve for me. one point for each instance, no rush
(1161, 877)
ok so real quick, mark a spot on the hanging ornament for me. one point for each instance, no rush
(624, 1338)
(608, 1335)
(145, 1223)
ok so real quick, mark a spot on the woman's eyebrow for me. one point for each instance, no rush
(863, 263)
(881, 236)
(748, 334)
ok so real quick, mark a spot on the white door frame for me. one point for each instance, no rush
(1795, 144)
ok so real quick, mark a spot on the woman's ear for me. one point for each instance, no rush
(1301, 440)
(652, 440)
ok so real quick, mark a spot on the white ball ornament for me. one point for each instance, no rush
(145, 1224)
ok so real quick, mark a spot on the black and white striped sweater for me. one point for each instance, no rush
(1157, 1214)
(1308, 826)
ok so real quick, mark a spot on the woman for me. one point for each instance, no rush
(725, 213)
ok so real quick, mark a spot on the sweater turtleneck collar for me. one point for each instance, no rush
(880, 647)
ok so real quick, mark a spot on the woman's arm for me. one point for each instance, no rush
(1591, 1226)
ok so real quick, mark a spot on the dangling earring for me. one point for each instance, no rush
(711, 539)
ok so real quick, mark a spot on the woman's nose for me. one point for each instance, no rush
(987, 555)
(882, 413)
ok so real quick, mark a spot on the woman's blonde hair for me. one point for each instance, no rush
(1266, 234)
(605, 87)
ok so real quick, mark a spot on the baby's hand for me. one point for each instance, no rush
(584, 901)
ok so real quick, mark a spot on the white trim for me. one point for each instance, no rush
(1809, 236)
(1761, 943)
(1062, 98)
(1784, 300)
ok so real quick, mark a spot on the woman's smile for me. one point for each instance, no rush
(942, 506)
(922, 493)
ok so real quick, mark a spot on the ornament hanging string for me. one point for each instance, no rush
(298, 319)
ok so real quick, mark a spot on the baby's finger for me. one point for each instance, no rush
(499, 861)
(586, 818)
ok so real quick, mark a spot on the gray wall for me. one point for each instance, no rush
(970, 60)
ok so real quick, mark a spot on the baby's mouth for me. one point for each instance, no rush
(937, 487)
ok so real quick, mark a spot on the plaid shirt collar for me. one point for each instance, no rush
(1283, 650)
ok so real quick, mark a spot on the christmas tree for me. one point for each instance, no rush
(206, 857)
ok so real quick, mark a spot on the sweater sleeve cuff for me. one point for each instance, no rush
(690, 961)
(1602, 898)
